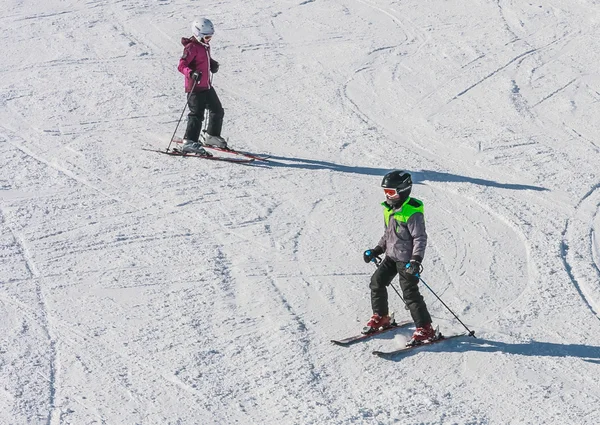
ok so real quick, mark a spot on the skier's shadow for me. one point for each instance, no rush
(424, 175)
(587, 353)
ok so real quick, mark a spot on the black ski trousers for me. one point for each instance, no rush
(383, 276)
(198, 102)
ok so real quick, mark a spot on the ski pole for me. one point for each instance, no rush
(205, 123)
(182, 112)
(471, 333)
(377, 261)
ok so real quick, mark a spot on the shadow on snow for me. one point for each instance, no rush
(424, 175)
(534, 348)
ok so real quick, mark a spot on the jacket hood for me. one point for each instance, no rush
(185, 41)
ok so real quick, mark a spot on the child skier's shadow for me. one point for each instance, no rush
(424, 175)
(587, 353)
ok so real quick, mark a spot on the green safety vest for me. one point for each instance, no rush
(410, 207)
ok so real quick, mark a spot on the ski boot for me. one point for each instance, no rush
(424, 335)
(216, 141)
(378, 323)
(189, 146)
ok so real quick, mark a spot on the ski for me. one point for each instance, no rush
(354, 339)
(175, 152)
(412, 347)
(264, 158)
(229, 150)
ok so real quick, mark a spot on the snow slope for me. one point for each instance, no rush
(137, 288)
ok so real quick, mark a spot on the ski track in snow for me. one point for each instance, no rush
(41, 317)
(128, 366)
(579, 250)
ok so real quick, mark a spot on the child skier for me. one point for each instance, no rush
(196, 65)
(403, 242)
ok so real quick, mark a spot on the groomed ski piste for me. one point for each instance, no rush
(138, 288)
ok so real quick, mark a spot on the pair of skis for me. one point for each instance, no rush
(386, 354)
(239, 157)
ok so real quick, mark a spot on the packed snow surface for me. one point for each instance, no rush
(138, 288)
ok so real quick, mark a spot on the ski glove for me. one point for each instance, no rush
(214, 66)
(196, 75)
(414, 267)
(370, 254)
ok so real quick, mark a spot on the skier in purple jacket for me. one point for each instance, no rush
(197, 65)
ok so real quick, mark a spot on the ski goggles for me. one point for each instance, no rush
(391, 193)
(207, 37)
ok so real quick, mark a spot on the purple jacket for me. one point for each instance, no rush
(196, 57)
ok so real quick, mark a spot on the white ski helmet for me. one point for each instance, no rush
(202, 27)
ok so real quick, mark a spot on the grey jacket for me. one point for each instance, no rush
(404, 236)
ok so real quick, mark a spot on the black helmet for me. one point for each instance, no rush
(397, 185)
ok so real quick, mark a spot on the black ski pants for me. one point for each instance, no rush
(198, 102)
(383, 276)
